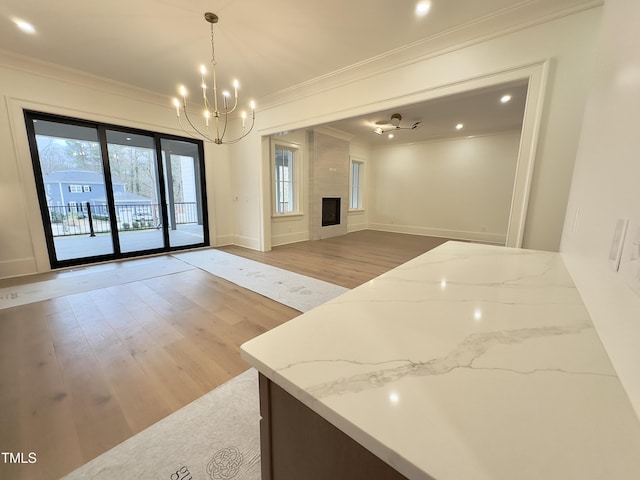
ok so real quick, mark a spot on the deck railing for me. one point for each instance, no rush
(87, 219)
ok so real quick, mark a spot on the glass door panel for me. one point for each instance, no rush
(73, 191)
(108, 192)
(184, 193)
(136, 191)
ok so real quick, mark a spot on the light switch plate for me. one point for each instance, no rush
(634, 264)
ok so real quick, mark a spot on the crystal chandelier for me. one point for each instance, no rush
(216, 111)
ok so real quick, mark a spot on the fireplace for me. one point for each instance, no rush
(330, 211)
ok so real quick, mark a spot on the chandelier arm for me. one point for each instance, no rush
(204, 135)
(253, 121)
(191, 134)
(235, 105)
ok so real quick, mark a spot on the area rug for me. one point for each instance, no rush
(292, 289)
(215, 437)
(89, 278)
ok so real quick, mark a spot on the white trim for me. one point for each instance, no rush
(485, 237)
(361, 183)
(527, 153)
(425, 49)
(298, 208)
(247, 242)
(289, 238)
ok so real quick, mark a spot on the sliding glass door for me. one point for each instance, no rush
(136, 191)
(183, 186)
(108, 192)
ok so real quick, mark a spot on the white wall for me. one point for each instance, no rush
(385, 84)
(49, 89)
(458, 188)
(606, 187)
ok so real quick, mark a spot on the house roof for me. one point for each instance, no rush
(83, 177)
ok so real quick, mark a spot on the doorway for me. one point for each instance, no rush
(108, 192)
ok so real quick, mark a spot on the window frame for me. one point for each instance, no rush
(102, 128)
(360, 187)
(296, 179)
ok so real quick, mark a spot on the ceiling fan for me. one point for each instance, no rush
(394, 123)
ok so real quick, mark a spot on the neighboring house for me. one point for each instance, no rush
(70, 190)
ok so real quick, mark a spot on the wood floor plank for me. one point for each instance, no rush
(347, 260)
(81, 373)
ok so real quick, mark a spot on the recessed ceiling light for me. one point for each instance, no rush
(422, 8)
(26, 27)
(391, 136)
(459, 126)
(505, 98)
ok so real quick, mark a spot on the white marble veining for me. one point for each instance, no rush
(470, 362)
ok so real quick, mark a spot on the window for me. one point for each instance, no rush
(286, 178)
(355, 186)
(108, 192)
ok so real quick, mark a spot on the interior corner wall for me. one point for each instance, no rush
(606, 189)
(458, 188)
(377, 86)
(49, 89)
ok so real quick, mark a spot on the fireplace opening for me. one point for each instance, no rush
(330, 211)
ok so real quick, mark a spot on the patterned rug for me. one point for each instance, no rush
(216, 437)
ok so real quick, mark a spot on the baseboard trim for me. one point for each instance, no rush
(289, 238)
(485, 237)
(357, 228)
(223, 240)
(18, 268)
(247, 242)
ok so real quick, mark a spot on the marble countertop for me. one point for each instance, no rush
(470, 362)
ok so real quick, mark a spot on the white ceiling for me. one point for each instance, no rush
(268, 45)
(480, 112)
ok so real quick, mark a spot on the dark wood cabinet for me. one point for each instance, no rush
(297, 444)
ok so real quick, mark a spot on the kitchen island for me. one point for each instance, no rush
(471, 362)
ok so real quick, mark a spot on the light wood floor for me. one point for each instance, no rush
(81, 373)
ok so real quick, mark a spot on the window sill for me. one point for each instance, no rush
(357, 210)
(286, 216)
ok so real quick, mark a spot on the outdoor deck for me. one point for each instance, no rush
(81, 246)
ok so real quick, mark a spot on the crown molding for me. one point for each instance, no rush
(519, 17)
(55, 72)
(334, 132)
